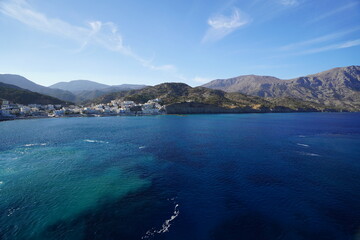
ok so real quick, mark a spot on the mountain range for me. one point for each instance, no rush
(180, 98)
(86, 87)
(26, 84)
(337, 87)
(76, 86)
(77, 91)
(18, 95)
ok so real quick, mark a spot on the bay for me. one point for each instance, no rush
(226, 176)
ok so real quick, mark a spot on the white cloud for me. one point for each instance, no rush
(102, 34)
(320, 39)
(221, 26)
(289, 2)
(333, 12)
(348, 44)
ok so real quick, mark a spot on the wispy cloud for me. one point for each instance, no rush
(320, 39)
(103, 34)
(289, 2)
(347, 44)
(221, 25)
(333, 12)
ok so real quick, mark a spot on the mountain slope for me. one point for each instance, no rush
(84, 96)
(338, 87)
(79, 86)
(181, 98)
(249, 84)
(29, 85)
(86, 90)
(18, 95)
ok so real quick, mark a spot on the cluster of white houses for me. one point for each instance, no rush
(116, 107)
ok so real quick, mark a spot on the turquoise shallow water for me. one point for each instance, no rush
(249, 176)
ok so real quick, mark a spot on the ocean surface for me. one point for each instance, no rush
(242, 176)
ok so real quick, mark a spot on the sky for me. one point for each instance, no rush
(191, 41)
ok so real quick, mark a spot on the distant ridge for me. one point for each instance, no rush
(22, 96)
(86, 90)
(79, 86)
(77, 91)
(25, 83)
(339, 87)
(181, 98)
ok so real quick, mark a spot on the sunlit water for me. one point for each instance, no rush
(249, 176)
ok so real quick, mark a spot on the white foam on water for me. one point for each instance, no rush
(165, 226)
(11, 211)
(310, 154)
(313, 154)
(35, 144)
(141, 147)
(95, 141)
(303, 145)
(302, 136)
(1, 182)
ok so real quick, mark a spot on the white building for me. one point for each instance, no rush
(25, 110)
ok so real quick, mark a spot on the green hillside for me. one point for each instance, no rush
(18, 95)
(185, 99)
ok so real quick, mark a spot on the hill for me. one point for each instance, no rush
(87, 86)
(181, 98)
(25, 83)
(86, 90)
(79, 86)
(248, 84)
(338, 87)
(84, 96)
(18, 95)
(77, 91)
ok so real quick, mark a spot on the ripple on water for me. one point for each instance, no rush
(68, 189)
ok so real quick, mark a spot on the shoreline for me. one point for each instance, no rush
(169, 114)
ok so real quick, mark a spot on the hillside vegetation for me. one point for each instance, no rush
(338, 87)
(184, 99)
(18, 95)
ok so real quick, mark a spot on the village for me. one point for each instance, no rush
(9, 111)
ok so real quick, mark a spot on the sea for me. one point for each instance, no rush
(224, 177)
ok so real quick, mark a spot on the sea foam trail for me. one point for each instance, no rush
(303, 145)
(166, 225)
(310, 154)
(94, 141)
(35, 144)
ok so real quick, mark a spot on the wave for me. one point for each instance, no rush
(35, 144)
(141, 147)
(303, 145)
(95, 141)
(310, 154)
(165, 226)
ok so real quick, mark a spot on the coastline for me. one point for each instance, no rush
(164, 114)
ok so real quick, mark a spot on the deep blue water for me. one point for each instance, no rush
(245, 176)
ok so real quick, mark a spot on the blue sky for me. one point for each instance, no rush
(191, 41)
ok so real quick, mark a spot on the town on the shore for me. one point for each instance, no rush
(11, 111)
